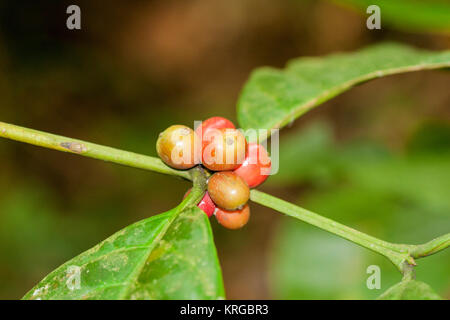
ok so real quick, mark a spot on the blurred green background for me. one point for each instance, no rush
(376, 158)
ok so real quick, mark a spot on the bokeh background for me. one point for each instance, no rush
(376, 158)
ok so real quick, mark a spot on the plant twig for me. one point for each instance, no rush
(402, 256)
(408, 272)
(198, 188)
(87, 149)
(398, 254)
(431, 247)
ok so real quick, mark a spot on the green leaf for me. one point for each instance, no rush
(272, 98)
(168, 256)
(410, 290)
(409, 15)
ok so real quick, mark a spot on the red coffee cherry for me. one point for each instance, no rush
(223, 149)
(206, 204)
(214, 123)
(178, 146)
(233, 219)
(228, 190)
(256, 166)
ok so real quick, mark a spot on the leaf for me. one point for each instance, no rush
(272, 98)
(168, 256)
(410, 290)
(408, 15)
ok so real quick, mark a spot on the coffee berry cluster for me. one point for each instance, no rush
(236, 165)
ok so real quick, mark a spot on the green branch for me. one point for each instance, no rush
(87, 149)
(398, 254)
(401, 255)
(393, 252)
(199, 185)
(431, 247)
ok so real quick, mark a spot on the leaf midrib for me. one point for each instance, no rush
(334, 91)
(135, 275)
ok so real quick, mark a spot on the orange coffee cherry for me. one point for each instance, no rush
(233, 219)
(223, 149)
(228, 190)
